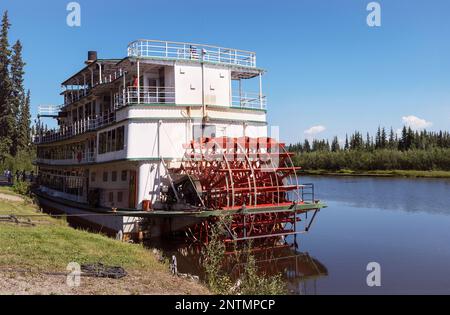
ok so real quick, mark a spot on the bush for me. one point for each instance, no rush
(250, 281)
(21, 188)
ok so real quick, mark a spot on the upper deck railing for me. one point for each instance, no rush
(166, 95)
(76, 128)
(191, 51)
(48, 110)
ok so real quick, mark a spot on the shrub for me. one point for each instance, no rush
(22, 188)
(250, 282)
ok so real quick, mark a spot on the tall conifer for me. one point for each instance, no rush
(18, 100)
(7, 118)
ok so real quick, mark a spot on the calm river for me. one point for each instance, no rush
(402, 224)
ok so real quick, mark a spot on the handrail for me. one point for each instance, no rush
(74, 95)
(308, 190)
(191, 51)
(249, 100)
(48, 110)
(145, 95)
(86, 157)
(74, 129)
(166, 95)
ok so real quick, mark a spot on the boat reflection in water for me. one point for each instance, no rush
(298, 269)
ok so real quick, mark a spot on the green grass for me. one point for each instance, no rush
(52, 244)
(381, 173)
(7, 190)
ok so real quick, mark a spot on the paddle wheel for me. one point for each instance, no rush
(252, 180)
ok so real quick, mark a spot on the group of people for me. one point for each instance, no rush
(18, 175)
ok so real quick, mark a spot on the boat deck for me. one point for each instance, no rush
(287, 207)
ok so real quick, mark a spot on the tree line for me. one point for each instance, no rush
(386, 150)
(15, 117)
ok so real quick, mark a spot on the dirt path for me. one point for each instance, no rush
(134, 283)
(11, 197)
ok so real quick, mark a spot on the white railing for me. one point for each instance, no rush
(82, 157)
(78, 127)
(145, 95)
(48, 110)
(191, 51)
(111, 77)
(75, 94)
(249, 100)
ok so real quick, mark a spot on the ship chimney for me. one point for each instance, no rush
(92, 56)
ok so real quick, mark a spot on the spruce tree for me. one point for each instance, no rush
(383, 139)
(18, 100)
(335, 144)
(306, 146)
(7, 118)
(378, 138)
(24, 137)
(368, 142)
(391, 139)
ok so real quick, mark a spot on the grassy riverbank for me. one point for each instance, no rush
(380, 173)
(31, 253)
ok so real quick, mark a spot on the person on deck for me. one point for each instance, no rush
(135, 93)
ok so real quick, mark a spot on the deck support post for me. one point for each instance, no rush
(138, 82)
(260, 91)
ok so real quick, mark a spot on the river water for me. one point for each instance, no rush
(402, 224)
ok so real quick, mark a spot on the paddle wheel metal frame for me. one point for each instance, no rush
(251, 180)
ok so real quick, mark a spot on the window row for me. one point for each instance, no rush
(111, 140)
(70, 182)
(119, 197)
(105, 176)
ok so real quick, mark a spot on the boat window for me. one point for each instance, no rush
(205, 131)
(112, 140)
(105, 176)
(93, 177)
(114, 176)
(120, 138)
(124, 175)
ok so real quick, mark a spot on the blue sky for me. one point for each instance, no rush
(326, 67)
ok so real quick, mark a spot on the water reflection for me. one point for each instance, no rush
(300, 270)
(410, 241)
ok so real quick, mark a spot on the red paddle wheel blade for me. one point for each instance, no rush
(237, 173)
